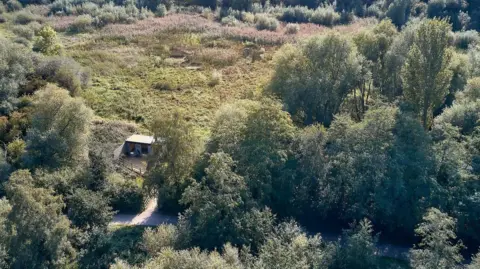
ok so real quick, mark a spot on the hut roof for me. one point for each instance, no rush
(140, 139)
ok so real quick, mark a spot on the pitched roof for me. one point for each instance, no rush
(141, 139)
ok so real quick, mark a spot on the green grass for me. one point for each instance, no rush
(131, 82)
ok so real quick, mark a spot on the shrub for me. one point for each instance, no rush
(25, 17)
(248, 17)
(2, 19)
(325, 16)
(292, 28)
(257, 8)
(41, 10)
(466, 38)
(46, 42)
(296, 14)
(215, 78)
(87, 8)
(35, 26)
(229, 21)
(375, 10)
(263, 22)
(13, 5)
(82, 23)
(22, 41)
(3, 9)
(207, 13)
(125, 195)
(65, 72)
(161, 11)
(472, 90)
(23, 31)
(155, 240)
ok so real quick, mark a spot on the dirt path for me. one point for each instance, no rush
(149, 217)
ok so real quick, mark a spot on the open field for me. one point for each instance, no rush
(162, 64)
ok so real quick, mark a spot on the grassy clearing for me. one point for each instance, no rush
(133, 81)
(177, 62)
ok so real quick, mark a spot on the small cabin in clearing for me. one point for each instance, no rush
(138, 145)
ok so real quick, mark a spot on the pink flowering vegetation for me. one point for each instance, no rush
(209, 29)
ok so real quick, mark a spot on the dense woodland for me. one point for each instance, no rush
(357, 118)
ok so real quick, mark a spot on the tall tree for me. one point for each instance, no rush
(426, 75)
(357, 248)
(60, 130)
(175, 151)
(5, 209)
(40, 230)
(314, 79)
(15, 64)
(219, 206)
(438, 248)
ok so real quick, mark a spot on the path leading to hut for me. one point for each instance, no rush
(149, 217)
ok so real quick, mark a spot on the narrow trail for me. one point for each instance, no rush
(149, 217)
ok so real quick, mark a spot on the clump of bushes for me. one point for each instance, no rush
(248, 17)
(26, 17)
(298, 14)
(161, 11)
(82, 23)
(125, 195)
(292, 28)
(24, 32)
(101, 14)
(65, 72)
(229, 21)
(13, 5)
(325, 16)
(264, 22)
(466, 38)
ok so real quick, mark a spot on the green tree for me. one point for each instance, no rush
(156, 240)
(438, 248)
(314, 79)
(46, 42)
(357, 249)
(264, 154)
(40, 230)
(189, 259)
(5, 209)
(87, 209)
(475, 264)
(217, 206)
(289, 247)
(15, 151)
(399, 11)
(15, 65)
(60, 129)
(176, 149)
(374, 45)
(4, 166)
(426, 75)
